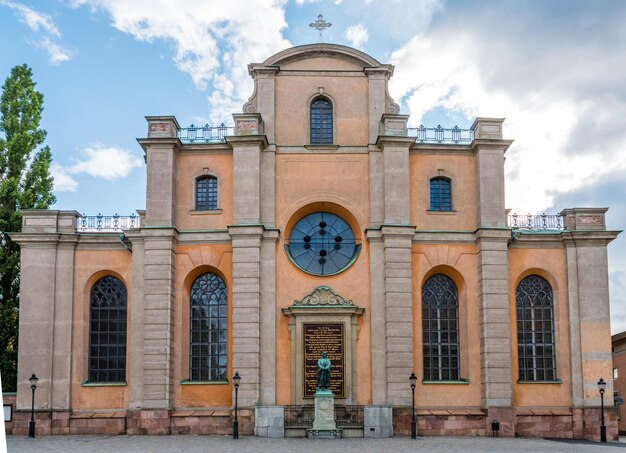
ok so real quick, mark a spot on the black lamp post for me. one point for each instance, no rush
(602, 388)
(236, 379)
(31, 425)
(413, 381)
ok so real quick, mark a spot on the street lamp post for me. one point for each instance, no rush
(236, 379)
(31, 425)
(602, 388)
(413, 381)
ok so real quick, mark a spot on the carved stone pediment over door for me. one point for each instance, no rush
(323, 320)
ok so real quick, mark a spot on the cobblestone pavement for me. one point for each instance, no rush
(223, 444)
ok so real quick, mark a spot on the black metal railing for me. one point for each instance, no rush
(299, 416)
(107, 223)
(302, 417)
(205, 134)
(440, 134)
(536, 222)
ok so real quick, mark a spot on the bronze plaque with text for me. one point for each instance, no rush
(317, 339)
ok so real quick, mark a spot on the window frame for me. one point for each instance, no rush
(437, 373)
(100, 375)
(527, 339)
(439, 205)
(331, 108)
(198, 373)
(209, 207)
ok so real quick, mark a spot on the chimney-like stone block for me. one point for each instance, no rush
(487, 128)
(391, 124)
(584, 219)
(162, 127)
(248, 124)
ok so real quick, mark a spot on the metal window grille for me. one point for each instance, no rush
(321, 122)
(440, 194)
(440, 327)
(207, 357)
(535, 330)
(206, 193)
(107, 331)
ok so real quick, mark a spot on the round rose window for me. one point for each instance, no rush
(322, 243)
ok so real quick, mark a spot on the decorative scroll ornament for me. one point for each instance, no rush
(322, 295)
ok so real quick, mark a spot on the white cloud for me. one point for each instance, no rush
(559, 121)
(303, 2)
(56, 53)
(212, 44)
(63, 182)
(44, 25)
(35, 20)
(100, 161)
(106, 162)
(357, 35)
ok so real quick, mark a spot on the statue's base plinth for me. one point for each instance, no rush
(324, 425)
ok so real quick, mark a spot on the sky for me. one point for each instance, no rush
(555, 69)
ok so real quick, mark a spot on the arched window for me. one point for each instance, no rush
(535, 330)
(107, 331)
(321, 122)
(207, 357)
(206, 193)
(440, 194)
(440, 327)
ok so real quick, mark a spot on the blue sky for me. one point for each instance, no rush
(555, 69)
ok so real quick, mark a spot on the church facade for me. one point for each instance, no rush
(318, 223)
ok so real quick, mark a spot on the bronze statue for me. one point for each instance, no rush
(323, 372)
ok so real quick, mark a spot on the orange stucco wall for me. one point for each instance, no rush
(549, 263)
(191, 262)
(91, 265)
(350, 106)
(304, 184)
(459, 263)
(461, 170)
(189, 167)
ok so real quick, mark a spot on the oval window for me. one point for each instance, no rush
(322, 243)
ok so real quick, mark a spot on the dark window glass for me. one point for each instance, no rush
(440, 194)
(107, 331)
(207, 351)
(535, 330)
(322, 244)
(206, 193)
(321, 122)
(440, 320)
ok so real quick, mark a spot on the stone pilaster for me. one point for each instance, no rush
(397, 199)
(267, 316)
(136, 315)
(489, 149)
(494, 317)
(398, 300)
(589, 315)
(378, 317)
(159, 347)
(161, 149)
(47, 243)
(246, 290)
(247, 178)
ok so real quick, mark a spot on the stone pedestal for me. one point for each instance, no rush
(324, 424)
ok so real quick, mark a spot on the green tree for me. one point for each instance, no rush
(25, 183)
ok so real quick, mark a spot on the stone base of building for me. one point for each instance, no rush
(562, 423)
(134, 422)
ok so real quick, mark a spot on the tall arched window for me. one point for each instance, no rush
(207, 356)
(440, 327)
(107, 331)
(321, 122)
(535, 330)
(206, 193)
(440, 194)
